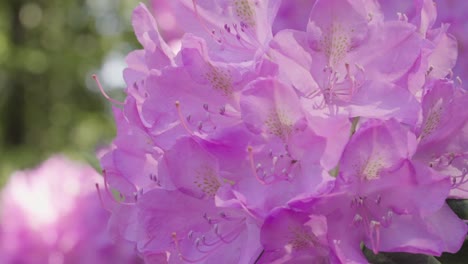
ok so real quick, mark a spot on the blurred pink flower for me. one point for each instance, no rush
(52, 214)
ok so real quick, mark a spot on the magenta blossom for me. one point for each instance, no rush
(185, 223)
(52, 214)
(290, 143)
(376, 199)
(450, 16)
(442, 135)
(290, 236)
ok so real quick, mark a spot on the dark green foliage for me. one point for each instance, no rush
(399, 258)
(460, 207)
(48, 101)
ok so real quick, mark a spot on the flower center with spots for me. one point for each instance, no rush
(372, 168)
(335, 42)
(207, 181)
(301, 239)
(279, 124)
(433, 119)
(245, 12)
(219, 79)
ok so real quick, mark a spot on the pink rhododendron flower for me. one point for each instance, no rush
(378, 192)
(449, 13)
(52, 214)
(442, 133)
(261, 140)
(290, 236)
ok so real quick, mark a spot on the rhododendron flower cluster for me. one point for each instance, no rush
(52, 214)
(293, 145)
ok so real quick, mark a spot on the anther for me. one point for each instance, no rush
(360, 200)
(227, 28)
(450, 74)
(357, 218)
(431, 68)
(379, 198)
(402, 17)
(348, 71)
(180, 255)
(222, 110)
(200, 125)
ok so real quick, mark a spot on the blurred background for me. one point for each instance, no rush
(49, 103)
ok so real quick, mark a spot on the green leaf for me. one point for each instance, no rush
(458, 258)
(398, 258)
(460, 207)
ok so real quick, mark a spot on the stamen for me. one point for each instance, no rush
(431, 68)
(450, 74)
(379, 198)
(252, 165)
(181, 256)
(100, 197)
(109, 193)
(200, 125)
(227, 28)
(348, 71)
(357, 218)
(231, 236)
(462, 180)
(210, 32)
(375, 236)
(274, 161)
(181, 118)
(155, 179)
(210, 220)
(359, 67)
(208, 244)
(387, 219)
(222, 110)
(104, 93)
(197, 246)
(402, 17)
(360, 200)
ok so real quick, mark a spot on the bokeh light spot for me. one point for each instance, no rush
(30, 15)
